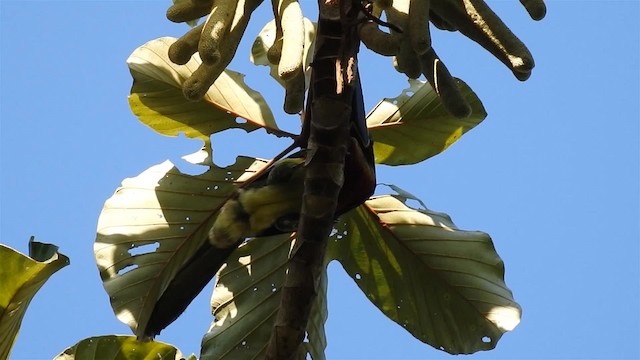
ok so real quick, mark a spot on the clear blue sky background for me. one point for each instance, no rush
(552, 174)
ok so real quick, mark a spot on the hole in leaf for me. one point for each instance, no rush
(127, 269)
(414, 204)
(486, 339)
(358, 276)
(144, 249)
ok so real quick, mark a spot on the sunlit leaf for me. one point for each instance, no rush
(119, 347)
(245, 303)
(151, 227)
(415, 126)
(21, 277)
(265, 40)
(157, 99)
(442, 284)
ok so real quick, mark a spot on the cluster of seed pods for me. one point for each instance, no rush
(408, 40)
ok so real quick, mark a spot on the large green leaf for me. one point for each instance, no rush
(20, 279)
(442, 284)
(415, 126)
(119, 347)
(267, 37)
(150, 228)
(157, 99)
(246, 299)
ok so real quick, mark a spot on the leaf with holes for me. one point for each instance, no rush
(246, 299)
(152, 226)
(442, 284)
(20, 279)
(157, 99)
(115, 347)
(415, 126)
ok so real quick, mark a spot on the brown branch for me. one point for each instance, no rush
(330, 110)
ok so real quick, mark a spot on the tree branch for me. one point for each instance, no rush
(329, 109)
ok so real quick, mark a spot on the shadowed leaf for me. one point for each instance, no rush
(20, 279)
(246, 299)
(152, 226)
(118, 347)
(157, 99)
(442, 284)
(415, 126)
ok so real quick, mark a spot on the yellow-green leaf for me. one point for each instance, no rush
(119, 347)
(245, 302)
(152, 226)
(442, 284)
(157, 99)
(415, 126)
(20, 279)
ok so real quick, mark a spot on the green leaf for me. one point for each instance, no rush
(415, 126)
(119, 347)
(157, 99)
(442, 284)
(20, 279)
(267, 37)
(152, 225)
(246, 299)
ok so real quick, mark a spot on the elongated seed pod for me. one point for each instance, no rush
(294, 94)
(180, 52)
(208, 3)
(275, 51)
(418, 28)
(216, 26)
(187, 11)
(440, 23)
(406, 61)
(383, 4)
(478, 22)
(196, 86)
(293, 39)
(444, 84)
(377, 40)
(536, 8)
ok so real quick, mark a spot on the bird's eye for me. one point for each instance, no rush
(287, 223)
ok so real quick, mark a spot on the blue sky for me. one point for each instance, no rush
(552, 173)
